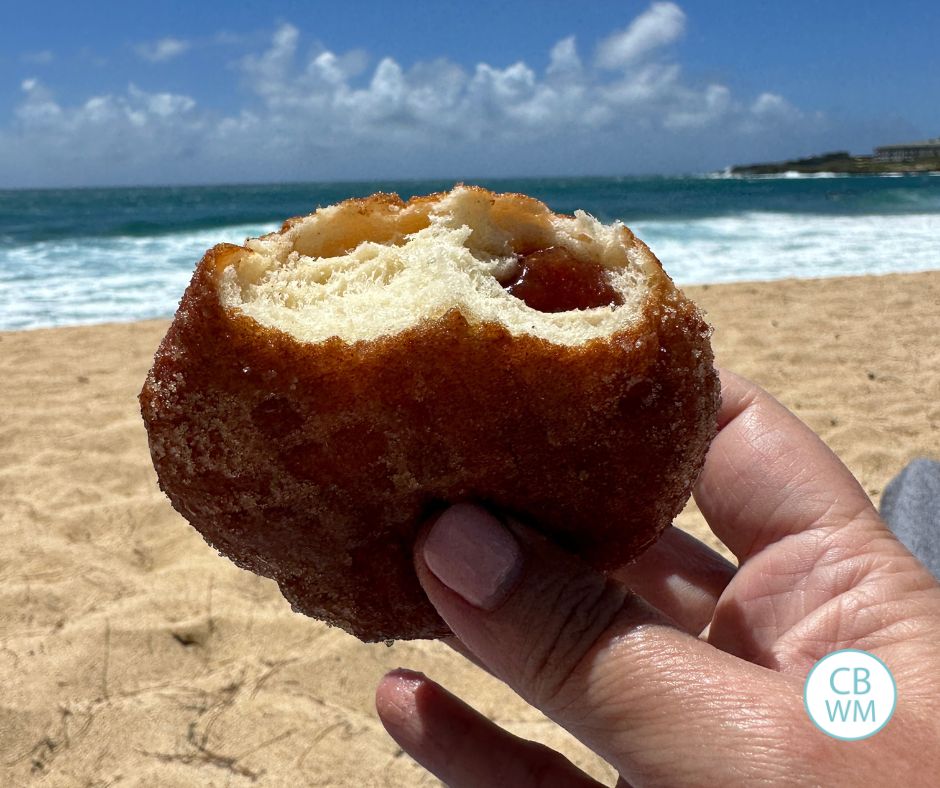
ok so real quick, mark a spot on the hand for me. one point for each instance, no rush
(683, 670)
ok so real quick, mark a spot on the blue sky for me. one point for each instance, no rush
(128, 93)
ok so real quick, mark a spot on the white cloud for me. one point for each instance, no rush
(702, 109)
(329, 114)
(771, 111)
(268, 72)
(772, 105)
(564, 62)
(114, 134)
(510, 103)
(38, 109)
(161, 105)
(162, 50)
(659, 25)
(135, 105)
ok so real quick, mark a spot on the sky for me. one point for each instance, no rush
(118, 93)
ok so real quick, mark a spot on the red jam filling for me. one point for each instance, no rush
(554, 280)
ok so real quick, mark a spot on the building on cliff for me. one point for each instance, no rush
(909, 151)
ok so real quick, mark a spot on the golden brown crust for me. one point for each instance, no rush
(315, 464)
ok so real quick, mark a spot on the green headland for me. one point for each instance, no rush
(904, 157)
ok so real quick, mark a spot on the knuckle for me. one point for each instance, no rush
(583, 609)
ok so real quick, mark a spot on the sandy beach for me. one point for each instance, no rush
(132, 654)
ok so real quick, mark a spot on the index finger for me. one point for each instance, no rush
(616, 673)
(768, 475)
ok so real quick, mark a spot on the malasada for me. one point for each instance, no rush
(324, 389)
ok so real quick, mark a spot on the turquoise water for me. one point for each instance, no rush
(97, 255)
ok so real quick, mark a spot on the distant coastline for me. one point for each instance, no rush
(901, 158)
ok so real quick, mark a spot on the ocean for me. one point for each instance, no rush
(100, 255)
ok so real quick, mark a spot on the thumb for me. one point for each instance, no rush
(654, 701)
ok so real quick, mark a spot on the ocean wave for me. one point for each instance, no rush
(97, 280)
(727, 174)
(69, 228)
(790, 174)
(766, 246)
(82, 280)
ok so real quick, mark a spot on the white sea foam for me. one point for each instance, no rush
(761, 246)
(93, 280)
(793, 174)
(787, 175)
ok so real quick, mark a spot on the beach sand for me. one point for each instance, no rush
(130, 653)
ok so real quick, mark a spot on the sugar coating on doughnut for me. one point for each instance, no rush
(323, 390)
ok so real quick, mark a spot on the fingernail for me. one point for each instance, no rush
(406, 681)
(472, 553)
(397, 700)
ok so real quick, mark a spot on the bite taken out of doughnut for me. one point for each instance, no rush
(324, 389)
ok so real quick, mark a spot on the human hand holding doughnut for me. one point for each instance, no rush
(684, 670)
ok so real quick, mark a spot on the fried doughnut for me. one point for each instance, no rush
(323, 389)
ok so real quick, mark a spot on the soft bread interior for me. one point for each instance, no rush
(366, 268)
